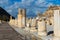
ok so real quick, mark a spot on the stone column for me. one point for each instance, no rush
(27, 24)
(41, 28)
(24, 17)
(33, 25)
(10, 17)
(20, 18)
(30, 21)
(27, 27)
(56, 25)
(10, 20)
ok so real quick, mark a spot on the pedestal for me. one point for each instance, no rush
(42, 28)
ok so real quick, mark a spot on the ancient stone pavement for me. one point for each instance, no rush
(8, 33)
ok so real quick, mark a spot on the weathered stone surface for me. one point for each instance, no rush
(56, 25)
(8, 33)
(41, 28)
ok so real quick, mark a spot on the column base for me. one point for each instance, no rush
(42, 33)
(33, 29)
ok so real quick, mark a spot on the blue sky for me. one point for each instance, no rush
(32, 6)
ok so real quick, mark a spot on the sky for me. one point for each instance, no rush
(32, 6)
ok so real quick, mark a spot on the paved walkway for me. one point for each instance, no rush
(28, 35)
(8, 33)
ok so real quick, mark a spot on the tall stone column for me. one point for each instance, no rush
(56, 25)
(41, 28)
(20, 18)
(24, 17)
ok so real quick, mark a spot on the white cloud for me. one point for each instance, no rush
(24, 3)
(3, 1)
(43, 3)
(39, 2)
(50, 4)
(27, 1)
(27, 4)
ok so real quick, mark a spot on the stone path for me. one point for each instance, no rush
(8, 33)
